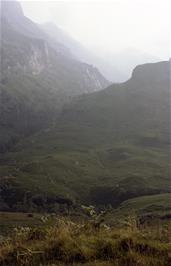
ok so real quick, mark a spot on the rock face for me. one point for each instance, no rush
(37, 75)
(28, 49)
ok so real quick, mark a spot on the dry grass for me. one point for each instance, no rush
(67, 243)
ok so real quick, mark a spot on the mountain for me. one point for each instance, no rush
(134, 111)
(36, 52)
(105, 147)
(38, 75)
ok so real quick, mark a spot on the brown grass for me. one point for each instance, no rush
(67, 243)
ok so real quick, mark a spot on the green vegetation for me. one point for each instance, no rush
(104, 148)
(147, 204)
(151, 209)
(87, 177)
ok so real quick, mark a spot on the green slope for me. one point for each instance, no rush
(104, 148)
(148, 208)
(158, 203)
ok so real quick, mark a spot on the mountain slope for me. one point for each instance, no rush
(37, 76)
(105, 148)
(137, 110)
(41, 52)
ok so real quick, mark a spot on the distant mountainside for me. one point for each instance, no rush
(104, 148)
(37, 75)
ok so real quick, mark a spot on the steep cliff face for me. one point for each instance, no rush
(38, 75)
(22, 55)
(28, 49)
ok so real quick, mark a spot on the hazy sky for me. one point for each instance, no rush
(109, 26)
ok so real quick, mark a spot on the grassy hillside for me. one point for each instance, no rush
(159, 203)
(151, 209)
(104, 148)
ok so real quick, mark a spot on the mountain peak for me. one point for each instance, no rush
(11, 9)
(151, 71)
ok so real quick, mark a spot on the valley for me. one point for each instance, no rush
(84, 163)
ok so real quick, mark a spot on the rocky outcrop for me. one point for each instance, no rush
(28, 49)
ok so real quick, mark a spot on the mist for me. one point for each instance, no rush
(85, 133)
(123, 33)
(109, 25)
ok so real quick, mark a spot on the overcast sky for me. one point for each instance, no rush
(109, 26)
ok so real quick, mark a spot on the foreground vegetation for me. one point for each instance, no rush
(89, 243)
